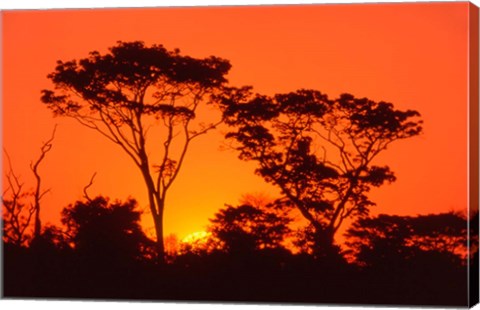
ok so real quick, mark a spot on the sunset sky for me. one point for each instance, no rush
(413, 55)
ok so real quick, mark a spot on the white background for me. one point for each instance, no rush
(77, 305)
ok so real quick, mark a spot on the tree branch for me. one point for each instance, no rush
(46, 147)
(85, 189)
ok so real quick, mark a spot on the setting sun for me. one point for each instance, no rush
(196, 237)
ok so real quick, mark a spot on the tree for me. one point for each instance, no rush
(403, 240)
(248, 228)
(132, 89)
(39, 193)
(17, 209)
(104, 232)
(319, 152)
(21, 206)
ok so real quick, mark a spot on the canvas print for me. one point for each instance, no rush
(296, 154)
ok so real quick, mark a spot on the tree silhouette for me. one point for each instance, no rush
(247, 228)
(39, 193)
(132, 89)
(17, 210)
(403, 240)
(20, 206)
(103, 232)
(319, 152)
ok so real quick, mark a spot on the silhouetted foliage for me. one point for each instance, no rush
(319, 152)
(51, 239)
(305, 242)
(405, 240)
(129, 91)
(246, 228)
(262, 275)
(103, 232)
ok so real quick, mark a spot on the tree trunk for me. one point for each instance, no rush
(37, 225)
(160, 248)
(324, 244)
(157, 207)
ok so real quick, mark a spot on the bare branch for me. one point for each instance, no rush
(38, 194)
(85, 189)
(16, 216)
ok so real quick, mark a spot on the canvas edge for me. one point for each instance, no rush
(473, 95)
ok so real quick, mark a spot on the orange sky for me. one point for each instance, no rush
(413, 55)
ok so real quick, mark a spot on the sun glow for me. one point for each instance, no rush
(197, 237)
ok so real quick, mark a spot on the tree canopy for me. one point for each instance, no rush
(320, 152)
(405, 240)
(247, 228)
(105, 232)
(135, 89)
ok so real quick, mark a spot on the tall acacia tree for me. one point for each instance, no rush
(319, 152)
(132, 89)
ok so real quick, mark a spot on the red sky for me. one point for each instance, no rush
(413, 55)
